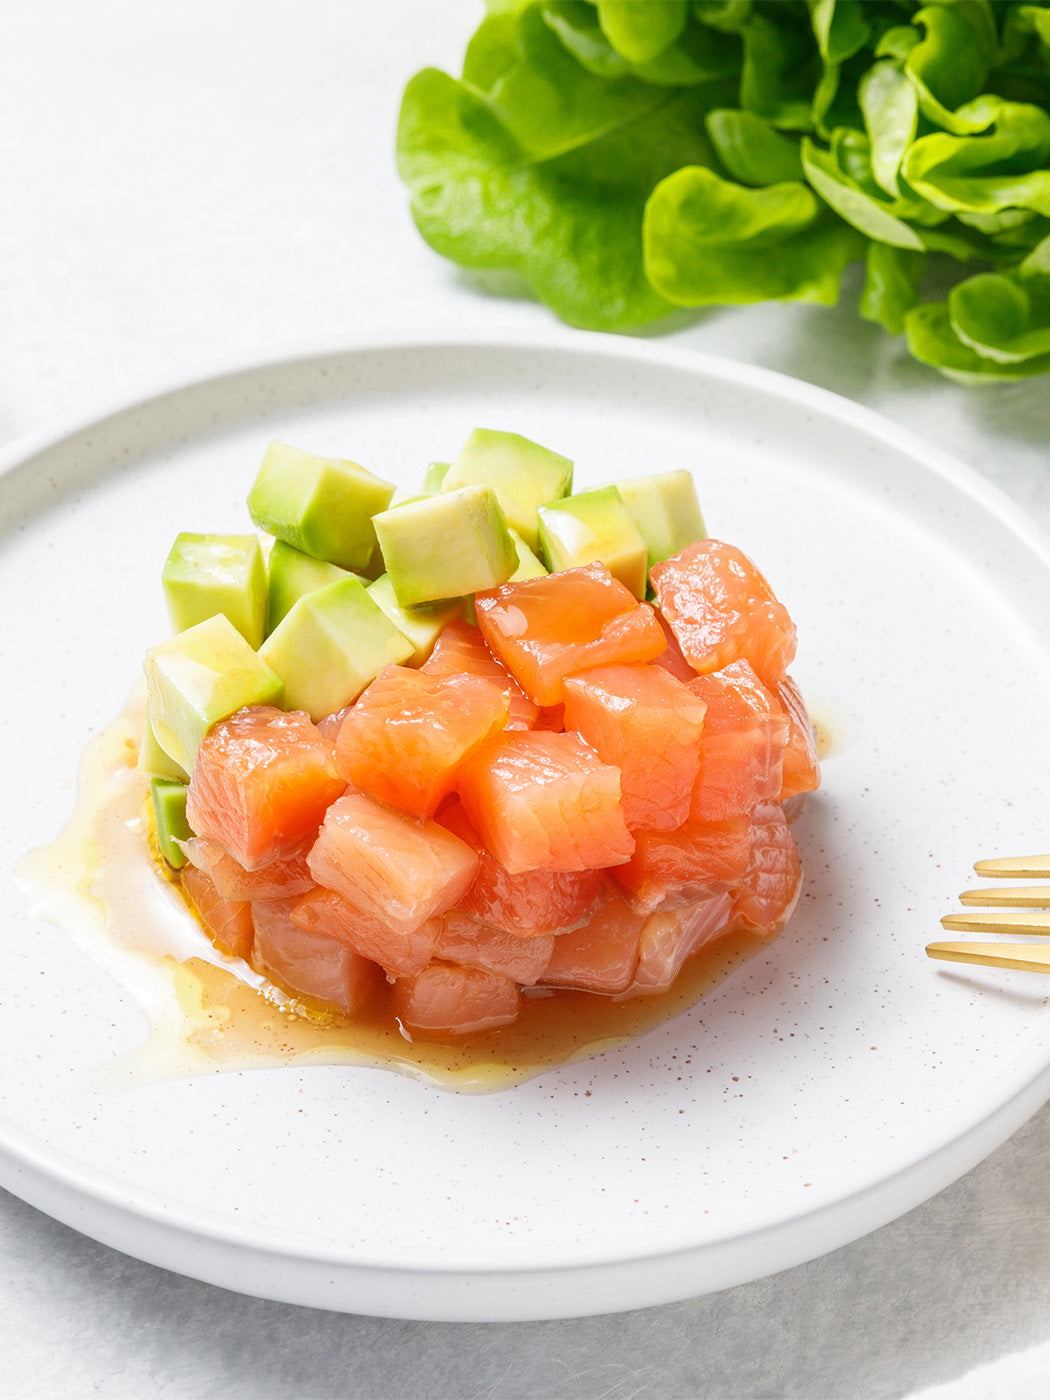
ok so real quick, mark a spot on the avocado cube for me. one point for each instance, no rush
(208, 574)
(200, 676)
(528, 565)
(152, 759)
(320, 505)
(406, 497)
(435, 475)
(292, 575)
(375, 566)
(594, 526)
(523, 475)
(446, 545)
(666, 511)
(330, 645)
(422, 625)
(169, 816)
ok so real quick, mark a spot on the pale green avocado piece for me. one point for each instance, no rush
(422, 625)
(447, 545)
(406, 497)
(200, 676)
(594, 526)
(293, 574)
(666, 511)
(152, 759)
(523, 475)
(330, 645)
(375, 566)
(435, 475)
(528, 565)
(208, 574)
(169, 815)
(320, 505)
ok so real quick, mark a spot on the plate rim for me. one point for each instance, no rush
(786, 387)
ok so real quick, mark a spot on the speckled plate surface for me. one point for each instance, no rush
(826, 1087)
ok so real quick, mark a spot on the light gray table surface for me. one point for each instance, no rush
(188, 184)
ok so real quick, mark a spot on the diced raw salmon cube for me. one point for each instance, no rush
(462, 939)
(648, 724)
(601, 956)
(721, 609)
(686, 863)
(309, 964)
(460, 648)
(279, 880)
(544, 629)
(801, 766)
(543, 801)
(397, 950)
(529, 904)
(450, 999)
(227, 922)
(670, 936)
(766, 896)
(407, 735)
(261, 783)
(402, 872)
(742, 746)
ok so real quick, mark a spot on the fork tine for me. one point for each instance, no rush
(1015, 868)
(1013, 897)
(1033, 898)
(1025, 957)
(987, 922)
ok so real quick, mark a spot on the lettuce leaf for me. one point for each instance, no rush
(712, 242)
(641, 35)
(890, 108)
(698, 55)
(570, 226)
(854, 195)
(841, 31)
(751, 149)
(932, 339)
(950, 64)
(1005, 317)
(781, 68)
(545, 100)
(1001, 164)
(626, 157)
(890, 286)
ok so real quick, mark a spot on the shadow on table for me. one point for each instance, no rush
(832, 346)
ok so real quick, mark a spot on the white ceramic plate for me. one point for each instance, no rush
(828, 1086)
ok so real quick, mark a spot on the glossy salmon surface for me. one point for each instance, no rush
(572, 798)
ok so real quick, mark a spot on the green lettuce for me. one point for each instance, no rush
(751, 149)
(710, 242)
(891, 283)
(951, 62)
(697, 55)
(889, 105)
(628, 157)
(641, 35)
(540, 95)
(571, 226)
(1002, 163)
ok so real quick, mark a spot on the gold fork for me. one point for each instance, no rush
(1034, 898)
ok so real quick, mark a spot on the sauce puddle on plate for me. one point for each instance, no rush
(208, 1012)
